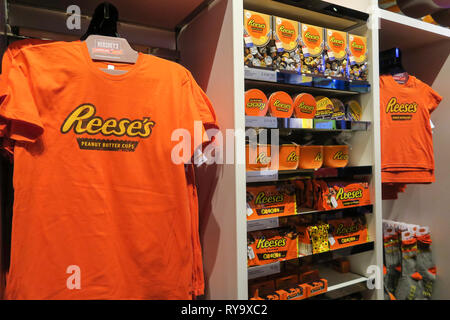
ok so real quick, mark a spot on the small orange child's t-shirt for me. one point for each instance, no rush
(102, 208)
(406, 137)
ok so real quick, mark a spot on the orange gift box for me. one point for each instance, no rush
(335, 156)
(281, 105)
(270, 201)
(269, 246)
(289, 289)
(305, 106)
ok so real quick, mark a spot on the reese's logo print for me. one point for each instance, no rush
(83, 120)
(401, 111)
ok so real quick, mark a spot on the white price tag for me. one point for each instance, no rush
(265, 270)
(262, 224)
(260, 74)
(261, 122)
(331, 240)
(261, 176)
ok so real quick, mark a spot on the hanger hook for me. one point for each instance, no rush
(106, 10)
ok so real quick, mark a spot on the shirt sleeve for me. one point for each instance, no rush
(18, 108)
(200, 117)
(433, 99)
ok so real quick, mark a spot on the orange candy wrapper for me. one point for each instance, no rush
(269, 246)
(270, 201)
(339, 195)
(347, 232)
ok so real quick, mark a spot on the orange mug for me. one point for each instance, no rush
(335, 156)
(288, 157)
(258, 157)
(311, 157)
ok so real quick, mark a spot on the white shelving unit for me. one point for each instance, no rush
(337, 280)
(220, 70)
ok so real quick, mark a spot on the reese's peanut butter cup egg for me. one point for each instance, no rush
(281, 105)
(255, 103)
(304, 106)
(338, 109)
(354, 110)
(325, 108)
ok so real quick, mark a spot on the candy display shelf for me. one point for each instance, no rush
(276, 175)
(337, 280)
(303, 82)
(270, 223)
(306, 126)
(217, 63)
(278, 267)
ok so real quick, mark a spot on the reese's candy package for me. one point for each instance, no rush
(338, 195)
(255, 103)
(286, 34)
(324, 109)
(305, 106)
(338, 109)
(312, 48)
(312, 239)
(272, 245)
(347, 232)
(268, 201)
(335, 56)
(357, 67)
(281, 105)
(353, 110)
(258, 39)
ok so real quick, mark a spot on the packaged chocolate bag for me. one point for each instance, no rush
(258, 40)
(268, 201)
(312, 239)
(357, 66)
(347, 232)
(272, 245)
(335, 53)
(312, 49)
(324, 108)
(343, 194)
(286, 34)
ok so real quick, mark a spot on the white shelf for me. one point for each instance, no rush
(397, 30)
(337, 280)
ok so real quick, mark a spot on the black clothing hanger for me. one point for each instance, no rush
(104, 21)
(391, 61)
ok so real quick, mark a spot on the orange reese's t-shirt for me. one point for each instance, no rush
(96, 190)
(406, 137)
